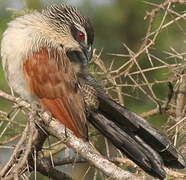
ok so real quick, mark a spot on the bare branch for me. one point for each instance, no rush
(85, 149)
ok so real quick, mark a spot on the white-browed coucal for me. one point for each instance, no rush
(45, 57)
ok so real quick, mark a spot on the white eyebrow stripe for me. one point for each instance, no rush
(82, 29)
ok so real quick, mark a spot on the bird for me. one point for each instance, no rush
(45, 56)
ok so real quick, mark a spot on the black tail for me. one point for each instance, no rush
(136, 138)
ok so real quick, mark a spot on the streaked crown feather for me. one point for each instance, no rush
(68, 15)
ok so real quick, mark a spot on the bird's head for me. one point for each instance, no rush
(74, 30)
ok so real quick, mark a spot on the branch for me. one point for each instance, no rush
(44, 165)
(85, 149)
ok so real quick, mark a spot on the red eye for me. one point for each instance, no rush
(81, 35)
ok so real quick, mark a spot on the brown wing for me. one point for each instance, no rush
(52, 79)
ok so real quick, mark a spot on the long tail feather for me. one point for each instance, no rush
(142, 129)
(147, 159)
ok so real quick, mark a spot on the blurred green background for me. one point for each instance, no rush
(115, 22)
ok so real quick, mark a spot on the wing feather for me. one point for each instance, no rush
(52, 79)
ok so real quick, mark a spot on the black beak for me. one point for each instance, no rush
(83, 56)
(87, 50)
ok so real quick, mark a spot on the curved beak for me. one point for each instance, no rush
(87, 50)
(84, 56)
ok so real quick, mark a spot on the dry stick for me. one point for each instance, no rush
(86, 172)
(154, 68)
(144, 77)
(44, 165)
(142, 84)
(28, 148)
(127, 71)
(169, 23)
(162, 6)
(181, 121)
(143, 48)
(181, 97)
(144, 45)
(53, 150)
(10, 139)
(110, 78)
(69, 160)
(151, 112)
(11, 122)
(15, 153)
(156, 111)
(180, 103)
(160, 60)
(95, 174)
(151, 98)
(8, 124)
(172, 55)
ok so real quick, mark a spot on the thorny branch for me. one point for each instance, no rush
(85, 149)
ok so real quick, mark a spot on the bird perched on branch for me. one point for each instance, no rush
(45, 57)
